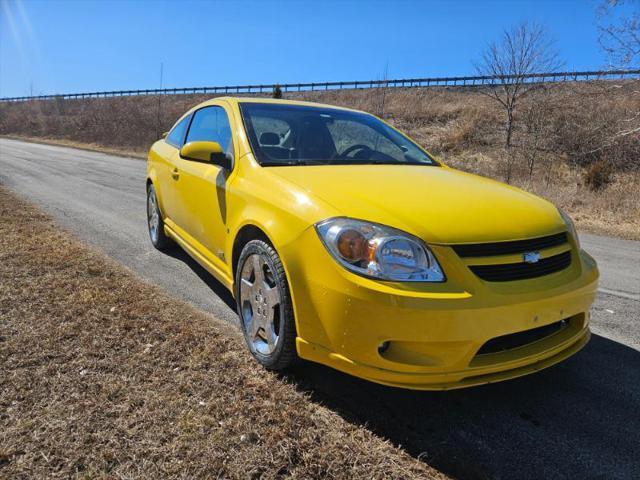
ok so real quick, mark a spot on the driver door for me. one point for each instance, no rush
(202, 216)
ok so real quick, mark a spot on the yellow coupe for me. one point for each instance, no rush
(345, 243)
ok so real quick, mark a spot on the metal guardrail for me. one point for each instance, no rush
(470, 81)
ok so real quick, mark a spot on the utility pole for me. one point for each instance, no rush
(159, 114)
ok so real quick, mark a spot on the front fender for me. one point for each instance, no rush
(281, 209)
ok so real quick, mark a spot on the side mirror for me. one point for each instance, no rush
(164, 134)
(210, 152)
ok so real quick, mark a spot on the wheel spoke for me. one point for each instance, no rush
(245, 288)
(254, 327)
(269, 335)
(273, 296)
(257, 270)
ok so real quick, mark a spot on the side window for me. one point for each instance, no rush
(176, 135)
(211, 124)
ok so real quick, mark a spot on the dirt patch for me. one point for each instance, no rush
(103, 375)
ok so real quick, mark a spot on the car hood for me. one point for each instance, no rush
(437, 204)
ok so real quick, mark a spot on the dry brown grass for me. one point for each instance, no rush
(560, 131)
(105, 376)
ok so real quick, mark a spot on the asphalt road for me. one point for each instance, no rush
(579, 419)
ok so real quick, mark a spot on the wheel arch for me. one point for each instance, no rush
(151, 180)
(245, 234)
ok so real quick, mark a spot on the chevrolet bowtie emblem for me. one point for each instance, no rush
(531, 257)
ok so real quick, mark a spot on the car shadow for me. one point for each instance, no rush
(578, 419)
(214, 285)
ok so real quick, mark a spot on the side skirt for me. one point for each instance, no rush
(221, 276)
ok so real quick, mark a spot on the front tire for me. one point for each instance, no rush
(264, 306)
(155, 223)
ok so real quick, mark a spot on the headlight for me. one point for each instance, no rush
(380, 252)
(570, 226)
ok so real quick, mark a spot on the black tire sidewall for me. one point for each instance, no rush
(162, 242)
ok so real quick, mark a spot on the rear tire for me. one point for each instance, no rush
(264, 306)
(155, 223)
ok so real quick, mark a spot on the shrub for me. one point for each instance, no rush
(598, 175)
(466, 131)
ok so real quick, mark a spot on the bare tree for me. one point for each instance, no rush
(522, 50)
(538, 130)
(382, 88)
(619, 26)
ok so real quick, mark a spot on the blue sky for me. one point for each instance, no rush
(52, 46)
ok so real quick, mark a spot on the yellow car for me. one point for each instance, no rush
(345, 243)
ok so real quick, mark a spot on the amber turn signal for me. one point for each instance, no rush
(352, 245)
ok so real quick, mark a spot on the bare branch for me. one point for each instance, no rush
(619, 26)
(522, 50)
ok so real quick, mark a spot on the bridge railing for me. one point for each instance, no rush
(467, 81)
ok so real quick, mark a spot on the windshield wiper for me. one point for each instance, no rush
(282, 163)
(289, 163)
(363, 161)
(292, 163)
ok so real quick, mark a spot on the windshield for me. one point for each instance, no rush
(303, 135)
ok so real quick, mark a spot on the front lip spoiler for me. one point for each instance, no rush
(341, 363)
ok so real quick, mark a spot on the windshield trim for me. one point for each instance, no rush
(258, 154)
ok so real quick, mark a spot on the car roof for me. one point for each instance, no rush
(237, 100)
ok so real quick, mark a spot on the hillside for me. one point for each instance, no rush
(577, 144)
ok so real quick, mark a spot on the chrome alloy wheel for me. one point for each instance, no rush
(153, 217)
(260, 304)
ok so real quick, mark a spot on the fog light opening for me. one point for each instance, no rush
(383, 347)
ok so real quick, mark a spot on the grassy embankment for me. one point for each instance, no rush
(576, 144)
(103, 375)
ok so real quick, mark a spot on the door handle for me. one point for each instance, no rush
(175, 174)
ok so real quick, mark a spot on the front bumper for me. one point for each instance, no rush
(434, 330)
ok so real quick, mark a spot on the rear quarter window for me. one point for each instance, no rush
(176, 135)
